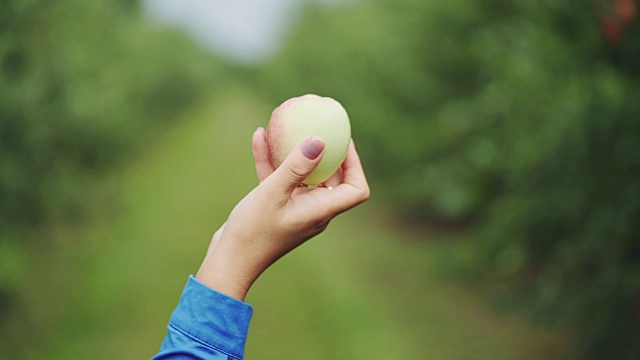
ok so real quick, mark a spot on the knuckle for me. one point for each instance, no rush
(364, 194)
(295, 170)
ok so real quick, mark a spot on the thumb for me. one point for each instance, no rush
(296, 167)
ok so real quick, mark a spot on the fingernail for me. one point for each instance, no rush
(313, 147)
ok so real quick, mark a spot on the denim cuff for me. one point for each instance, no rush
(212, 318)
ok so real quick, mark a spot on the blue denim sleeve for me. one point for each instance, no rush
(206, 325)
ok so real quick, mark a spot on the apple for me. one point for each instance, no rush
(310, 115)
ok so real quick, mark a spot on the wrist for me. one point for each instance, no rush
(226, 277)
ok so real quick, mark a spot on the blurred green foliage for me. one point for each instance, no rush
(518, 118)
(81, 84)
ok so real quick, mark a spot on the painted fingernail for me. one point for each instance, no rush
(312, 147)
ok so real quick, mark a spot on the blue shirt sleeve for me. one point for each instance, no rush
(206, 325)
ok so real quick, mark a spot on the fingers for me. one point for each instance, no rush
(354, 188)
(264, 167)
(335, 179)
(295, 168)
(352, 169)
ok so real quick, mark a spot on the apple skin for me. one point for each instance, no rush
(310, 115)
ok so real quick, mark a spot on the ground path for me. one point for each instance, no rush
(362, 290)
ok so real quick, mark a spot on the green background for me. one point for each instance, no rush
(500, 141)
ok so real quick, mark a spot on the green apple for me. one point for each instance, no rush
(310, 115)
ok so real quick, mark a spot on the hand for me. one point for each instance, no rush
(278, 215)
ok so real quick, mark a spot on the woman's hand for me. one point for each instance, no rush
(278, 215)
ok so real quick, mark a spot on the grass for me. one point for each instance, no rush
(364, 289)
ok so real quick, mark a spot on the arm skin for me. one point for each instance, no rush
(211, 320)
(277, 216)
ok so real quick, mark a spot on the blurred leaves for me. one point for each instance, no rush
(81, 84)
(518, 118)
